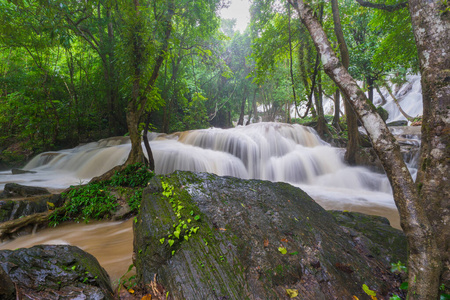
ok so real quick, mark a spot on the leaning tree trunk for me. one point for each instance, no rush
(424, 265)
(431, 26)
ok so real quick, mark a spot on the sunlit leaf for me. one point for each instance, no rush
(291, 293)
(368, 291)
(282, 250)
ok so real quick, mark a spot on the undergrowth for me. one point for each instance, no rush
(94, 201)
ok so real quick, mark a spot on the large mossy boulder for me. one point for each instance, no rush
(55, 272)
(203, 236)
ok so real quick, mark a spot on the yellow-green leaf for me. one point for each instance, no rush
(368, 291)
(291, 293)
(282, 250)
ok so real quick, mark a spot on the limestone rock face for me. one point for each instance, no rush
(55, 272)
(217, 237)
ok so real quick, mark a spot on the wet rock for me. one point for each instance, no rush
(7, 288)
(11, 209)
(17, 190)
(384, 114)
(367, 157)
(55, 272)
(20, 171)
(254, 239)
(22, 226)
(386, 243)
(398, 123)
(121, 213)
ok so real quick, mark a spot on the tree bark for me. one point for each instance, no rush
(321, 127)
(424, 265)
(137, 105)
(337, 109)
(354, 141)
(431, 28)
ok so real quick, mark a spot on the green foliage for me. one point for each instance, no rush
(135, 200)
(126, 281)
(182, 228)
(132, 176)
(86, 202)
(94, 201)
(398, 267)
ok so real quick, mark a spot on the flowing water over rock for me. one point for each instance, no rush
(269, 151)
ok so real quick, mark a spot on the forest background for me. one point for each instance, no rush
(68, 70)
(74, 72)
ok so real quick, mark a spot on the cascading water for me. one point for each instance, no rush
(268, 151)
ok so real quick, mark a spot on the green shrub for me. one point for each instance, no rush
(132, 176)
(135, 200)
(87, 202)
(94, 201)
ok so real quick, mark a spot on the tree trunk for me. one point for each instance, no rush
(337, 109)
(431, 28)
(424, 265)
(321, 127)
(369, 82)
(241, 115)
(408, 117)
(255, 106)
(352, 120)
(383, 99)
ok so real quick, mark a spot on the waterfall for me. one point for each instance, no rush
(266, 151)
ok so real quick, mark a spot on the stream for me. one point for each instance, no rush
(267, 151)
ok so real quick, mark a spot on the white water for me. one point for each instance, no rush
(268, 151)
(409, 96)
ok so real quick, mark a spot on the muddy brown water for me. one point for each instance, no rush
(110, 242)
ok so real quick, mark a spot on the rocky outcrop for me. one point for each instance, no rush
(386, 243)
(11, 209)
(15, 171)
(21, 226)
(7, 288)
(12, 190)
(227, 238)
(55, 272)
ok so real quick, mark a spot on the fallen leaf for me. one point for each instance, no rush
(355, 298)
(291, 293)
(282, 250)
(266, 243)
(222, 229)
(131, 291)
(147, 297)
(284, 240)
(369, 291)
